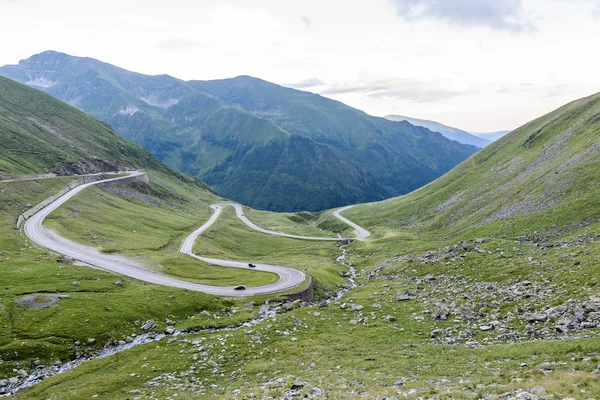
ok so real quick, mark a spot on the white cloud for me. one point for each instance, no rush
(496, 14)
(306, 83)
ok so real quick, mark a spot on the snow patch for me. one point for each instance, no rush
(154, 101)
(41, 82)
(129, 110)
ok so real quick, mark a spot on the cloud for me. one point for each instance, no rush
(506, 15)
(596, 11)
(395, 89)
(177, 44)
(306, 83)
(306, 20)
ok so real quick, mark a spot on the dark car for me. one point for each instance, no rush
(252, 265)
(240, 287)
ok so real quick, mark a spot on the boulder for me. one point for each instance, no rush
(148, 325)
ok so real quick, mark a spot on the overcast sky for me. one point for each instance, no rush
(480, 65)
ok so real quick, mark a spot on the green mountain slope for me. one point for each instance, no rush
(247, 137)
(543, 175)
(39, 133)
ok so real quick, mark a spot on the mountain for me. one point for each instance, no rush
(264, 145)
(40, 134)
(540, 177)
(455, 134)
(491, 136)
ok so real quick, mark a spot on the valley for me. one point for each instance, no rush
(138, 281)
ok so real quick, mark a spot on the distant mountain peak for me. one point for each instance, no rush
(448, 132)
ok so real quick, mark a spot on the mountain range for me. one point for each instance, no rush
(491, 136)
(476, 139)
(267, 146)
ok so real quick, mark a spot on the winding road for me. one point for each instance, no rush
(288, 277)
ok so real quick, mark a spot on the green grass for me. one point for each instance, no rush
(329, 353)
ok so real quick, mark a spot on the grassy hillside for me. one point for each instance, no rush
(542, 176)
(264, 145)
(38, 133)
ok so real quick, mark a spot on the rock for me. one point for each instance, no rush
(316, 391)
(323, 304)
(376, 305)
(566, 324)
(170, 330)
(597, 371)
(428, 254)
(485, 328)
(22, 373)
(353, 322)
(389, 318)
(3, 382)
(13, 380)
(435, 333)
(119, 283)
(297, 386)
(343, 306)
(356, 307)
(522, 395)
(403, 297)
(129, 339)
(91, 340)
(76, 283)
(536, 317)
(148, 325)
(205, 313)
(467, 246)
(594, 315)
(170, 323)
(317, 314)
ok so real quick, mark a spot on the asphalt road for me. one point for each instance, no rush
(360, 232)
(52, 176)
(288, 277)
